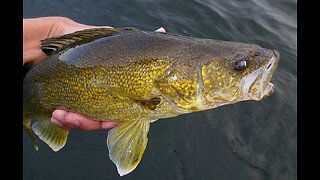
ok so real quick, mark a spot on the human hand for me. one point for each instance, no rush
(70, 120)
(37, 29)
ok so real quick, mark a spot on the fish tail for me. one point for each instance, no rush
(48, 132)
(27, 127)
(127, 143)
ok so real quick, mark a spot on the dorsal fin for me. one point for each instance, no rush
(57, 44)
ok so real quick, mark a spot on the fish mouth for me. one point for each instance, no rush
(257, 85)
(268, 90)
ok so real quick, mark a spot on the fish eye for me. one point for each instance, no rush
(240, 62)
(240, 65)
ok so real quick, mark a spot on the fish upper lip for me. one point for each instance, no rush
(276, 53)
(249, 81)
(277, 57)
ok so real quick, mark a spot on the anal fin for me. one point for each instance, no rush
(127, 143)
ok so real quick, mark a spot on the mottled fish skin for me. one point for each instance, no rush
(135, 76)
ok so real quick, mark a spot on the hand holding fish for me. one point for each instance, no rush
(70, 120)
(36, 29)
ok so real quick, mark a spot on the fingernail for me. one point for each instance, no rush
(59, 114)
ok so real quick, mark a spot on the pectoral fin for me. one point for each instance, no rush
(146, 103)
(126, 144)
(149, 104)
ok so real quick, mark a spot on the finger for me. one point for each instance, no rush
(59, 115)
(71, 120)
(58, 118)
(58, 123)
(109, 124)
(82, 122)
(70, 126)
(161, 30)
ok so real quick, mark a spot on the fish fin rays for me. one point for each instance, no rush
(149, 104)
(48, 132)
(56, 44)
(127, 143)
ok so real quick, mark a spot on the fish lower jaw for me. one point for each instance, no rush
(269, 90)
(262, 93)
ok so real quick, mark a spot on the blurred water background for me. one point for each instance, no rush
(244, 141)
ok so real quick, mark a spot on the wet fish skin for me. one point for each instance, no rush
(137, 77)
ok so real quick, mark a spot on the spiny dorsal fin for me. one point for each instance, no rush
(57, 44)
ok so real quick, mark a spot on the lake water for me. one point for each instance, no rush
(244, 141)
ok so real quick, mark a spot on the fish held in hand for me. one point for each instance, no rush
(138, 77)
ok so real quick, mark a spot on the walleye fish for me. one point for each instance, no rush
(138, 77)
